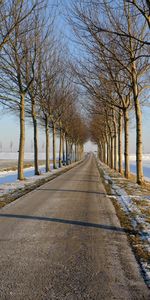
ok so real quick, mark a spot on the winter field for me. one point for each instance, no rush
(146, 165)
(10, 159)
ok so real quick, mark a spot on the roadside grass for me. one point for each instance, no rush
(135, 234)
(2, 204)
(26, 165)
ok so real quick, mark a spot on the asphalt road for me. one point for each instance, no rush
(64, 241)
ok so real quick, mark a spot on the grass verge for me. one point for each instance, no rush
(137, 244)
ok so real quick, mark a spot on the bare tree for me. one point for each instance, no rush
(17, 74)
(125, 49)
(12, 14)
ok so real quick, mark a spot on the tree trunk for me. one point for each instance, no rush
(115, 145)
(120, 144)
(126, 143)
(78, 152)
(54, 147)
(107, 161)
(115, 141)
(112, 152)
(22, 138)
(75, 152)
(63, 149)
(99, 152)
(60, 149)
(102, 152)
(66, 150)
(105, 146)
(36, 166)
(138, 113)
(139, 165)
(108, 151)
(47, 145)
(68, 144)
(71, 153)
(115, 152)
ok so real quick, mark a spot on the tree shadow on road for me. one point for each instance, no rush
(79, 180)
(69, 222)
(74, 191)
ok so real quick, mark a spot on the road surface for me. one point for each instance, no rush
(64, 241)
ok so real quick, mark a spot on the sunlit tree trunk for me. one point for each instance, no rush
(126, 143)
(120, 144)
(138, 113)
(34, 119)
(103, 151)
(107, 153)
(22, 138)
(139, 165)
(54, 147)
(63, 148)
(108, 150)
(77, 152)
(98, 152)
(66, 150)
(112, 152)
(60, 148)
(115, 145)
(47, 144)
(110, 147)
(115, 152)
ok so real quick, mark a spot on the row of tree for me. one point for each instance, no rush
(114, 72)
(34, 83)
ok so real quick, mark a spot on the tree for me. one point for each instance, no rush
(12, 14)
(17, 66)
(126, 50)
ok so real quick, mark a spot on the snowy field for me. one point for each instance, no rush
(8, 177)
(14, 156)
(11, 176)
(146, 165)
(146, 168)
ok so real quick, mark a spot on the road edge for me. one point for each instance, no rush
(18, 193)
(125, 223)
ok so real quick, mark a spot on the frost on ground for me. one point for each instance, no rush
(134, 201)
(11, 187)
